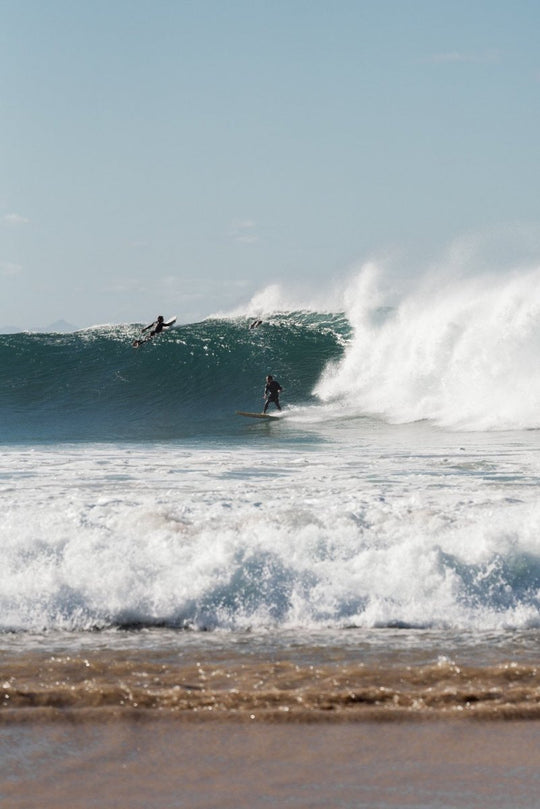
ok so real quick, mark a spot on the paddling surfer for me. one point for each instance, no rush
(271, 392)
(156, 328)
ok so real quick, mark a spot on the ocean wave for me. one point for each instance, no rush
(461, 352)
(93, 385)
(458, 351)
(251, 539)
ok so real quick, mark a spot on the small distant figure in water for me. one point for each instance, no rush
(255, 324)
(271, 392)
(157, 326)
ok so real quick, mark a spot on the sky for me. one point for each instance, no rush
(179, 156)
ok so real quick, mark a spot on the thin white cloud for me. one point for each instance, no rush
(243, 231)
(460, 57)
(8, 268)
(124, 286)
(14, 220)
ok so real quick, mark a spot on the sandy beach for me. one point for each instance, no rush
(166, 764)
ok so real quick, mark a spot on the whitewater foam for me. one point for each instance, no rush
(462, 353)
(356, 509)
(267, 536)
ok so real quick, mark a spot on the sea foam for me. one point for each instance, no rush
(460, 352)
(269, 538)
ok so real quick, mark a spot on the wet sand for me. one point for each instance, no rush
(99, 685)
(229, 765)
(212, 729)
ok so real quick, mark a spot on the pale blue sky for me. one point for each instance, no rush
(176, 157)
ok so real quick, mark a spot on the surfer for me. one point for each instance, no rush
(156, 328)
(271, 392)
(255, 324)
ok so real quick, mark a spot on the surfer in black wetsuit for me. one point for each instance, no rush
(157, 326)
(271, 392)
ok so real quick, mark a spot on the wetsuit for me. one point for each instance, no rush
(271, 392)
(159, 326)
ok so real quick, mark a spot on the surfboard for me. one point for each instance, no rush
(255, 415)
(137, 343)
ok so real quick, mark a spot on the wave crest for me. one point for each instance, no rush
(462, 353)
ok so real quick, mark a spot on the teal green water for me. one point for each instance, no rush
(93, 386)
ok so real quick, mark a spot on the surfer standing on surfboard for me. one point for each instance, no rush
(271, 392)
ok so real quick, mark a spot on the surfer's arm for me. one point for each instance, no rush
(148, 327)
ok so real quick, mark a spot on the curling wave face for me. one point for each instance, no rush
(91, 385)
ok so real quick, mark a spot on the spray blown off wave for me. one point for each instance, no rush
(462, 353)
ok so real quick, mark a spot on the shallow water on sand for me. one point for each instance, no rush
(375, 674)
(167, 764)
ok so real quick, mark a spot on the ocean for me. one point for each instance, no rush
(373, 553)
